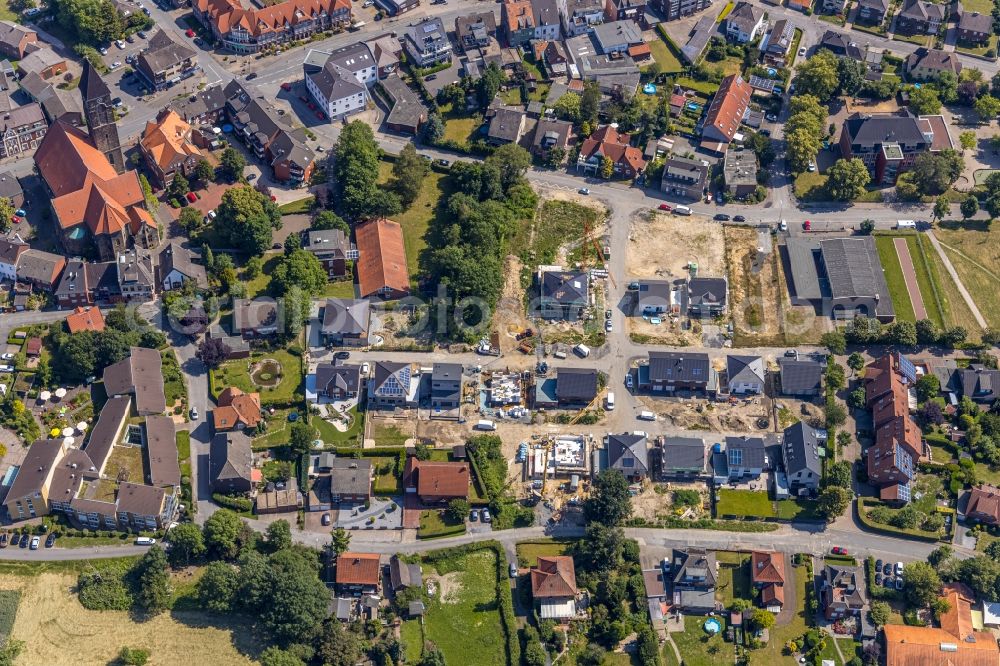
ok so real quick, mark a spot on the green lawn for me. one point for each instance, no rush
(894, 278)
(9, 600)
(279, 430)
(956, 311)
(878, 30)
(734, 577)
(173, 386)
(417, 217)
(7, 14)
(919, 40)
(261, 285)
(706, 87)
(668, 61)
(791, 509)
(127, 460)
(512, 96)
(434, 524)
(387, 481)
(339, 289)
(977, 50)
(90, 541)
(930, 291)
(466, 626)
(744, 503)
(236, 373)
(387, 435)
(529, 552)
(297, 206)
(981, 6)
(698, 648)
(461, 128)
(184, 451)
(810, 186)
(331, 435)
(412, 637)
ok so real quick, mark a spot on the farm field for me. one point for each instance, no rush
(975, 253)
(58, 630)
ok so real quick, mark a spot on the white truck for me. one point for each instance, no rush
(582, 350)
(486, 424)
(609, 401)
(646, 415)
(682, 210)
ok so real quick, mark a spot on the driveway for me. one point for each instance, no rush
(381, 515)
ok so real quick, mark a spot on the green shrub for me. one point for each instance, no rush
(239, 504)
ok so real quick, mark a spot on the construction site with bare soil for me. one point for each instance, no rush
(759, 304)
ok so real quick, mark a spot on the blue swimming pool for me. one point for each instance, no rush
(712, 625)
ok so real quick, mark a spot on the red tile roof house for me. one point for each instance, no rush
(768, 574)
(85, 319)
(898, 444)
(436, 482)
(984, 505)
(252, 30)
(725, 114)
(358, 574)
(553, 587)
(609, 142)
(381, 262)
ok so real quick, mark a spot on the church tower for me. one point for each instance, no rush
(101, 116)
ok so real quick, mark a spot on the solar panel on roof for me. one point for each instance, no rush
(907, 369)
(735, 457)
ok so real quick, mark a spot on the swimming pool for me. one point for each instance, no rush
(712, 625)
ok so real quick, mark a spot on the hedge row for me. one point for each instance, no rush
(239, 504)
(889, 529)
(705, 524)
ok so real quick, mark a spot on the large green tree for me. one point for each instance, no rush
(488, 84)
(925, 101)
(609, 502)
(186, 543)
(246, 219)
(833, 501)
(279, 535)
(292, 599)
(153, 588)
(933, 173)
(921, 584)
(408, 173)
(94, 22)
(221, 531)
(847, 179)
(232, 163)
(355, 171)
(217, 587)
(300, 269)
(818, 76)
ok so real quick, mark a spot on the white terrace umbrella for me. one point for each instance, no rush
(82, 426)
(60, 392)
(68, 441)
(67, 431)
(44, 395)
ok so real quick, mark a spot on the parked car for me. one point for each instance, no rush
(251, 76)
(194, 413)
(608, 326)
(887, 569)
(25, 540)
(15, 539)
(899, 583)
(119, 43)
(444, 163)
(739, 218)
(342, 354)
(430, 77)
(782, 226)
(365, 369)
(838, 550)
(286, 86)
(487, 518)
(771, 118)
(6, 357)
(513, 570)
(473, 516)
(116, 64)
(899, 568)
(807, 225)
(607, 315)
(878, 579)
(20, 212)
(3, 539)
(325, 519)
(628, 380)
(189, 32)
(722, 217)
(878, 564)
(50, 540)
(664, 206)
(584, 190)
(802, 51)
(34, 542)
(811, 166)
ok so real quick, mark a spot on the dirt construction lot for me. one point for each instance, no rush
(661, 246)
(57, 630)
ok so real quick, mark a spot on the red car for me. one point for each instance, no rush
(192, 197)
(189, 32)
(286, 86)
(274, 198)
(807, 225)
(15, 219)
(664, 206)
(838, 550)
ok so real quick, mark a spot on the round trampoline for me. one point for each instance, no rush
(712, 625)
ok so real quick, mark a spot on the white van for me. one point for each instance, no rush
(610, 401)
(145, 541)
(582, 349)
(906, 224)
(647, 415)
(486, 424)
(682, 210)
(560, 354)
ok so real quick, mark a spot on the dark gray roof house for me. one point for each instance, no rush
(230, 462)
(800, 377)
(682, 456)
(654, 297)
(576, 385)
(404, 574)
(564, 294)
(800, 454)
(345, 318)
(506, 126)
(164, 60)
(679, 370)
(629, 454)
(446, 385)
(141, 375)
(255, 317)
(176, 265)
(337, 380)
(746, 456)
(746, 373)
(707, 296)
(694, 568)
(840, 45)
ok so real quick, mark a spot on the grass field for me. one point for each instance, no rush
(976, 50)
(744, 503)
(127, 458)
(464, 622)
(664, 56)
(981, 6)
(261, 285)
(919, 40)
(956, 311)
(790, 509)
(434, 524)
(894, 278)
(706, 87)
(9, 601)
(529, 552)
(697, 648)
(412, 638)
(461, 129)
(387, 435)
(236, 373)
(975, 254)
(331, 435)
(734, 577)
(557, 223)
(417, 217)
(58, 630)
